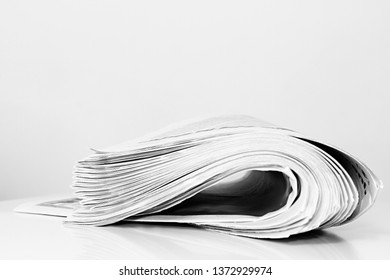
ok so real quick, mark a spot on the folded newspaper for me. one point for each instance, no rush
(232, 174)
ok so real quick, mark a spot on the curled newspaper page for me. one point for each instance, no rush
(232, 174)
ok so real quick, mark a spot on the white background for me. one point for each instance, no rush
(81, 74)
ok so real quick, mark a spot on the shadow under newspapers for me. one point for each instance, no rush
(234, 174)
(171, 241)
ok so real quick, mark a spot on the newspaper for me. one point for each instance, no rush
(233, 174)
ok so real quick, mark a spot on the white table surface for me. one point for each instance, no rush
(27, 236)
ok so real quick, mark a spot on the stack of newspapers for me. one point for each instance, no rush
(232, 174)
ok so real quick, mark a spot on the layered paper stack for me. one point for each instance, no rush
(232, 174)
